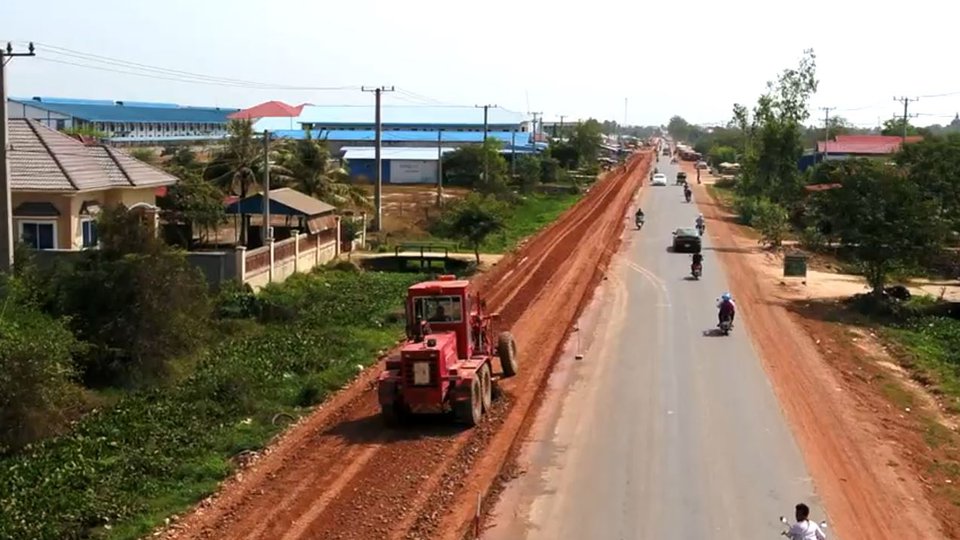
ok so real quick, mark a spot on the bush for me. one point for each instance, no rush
(812, 238)
(771, 220)
(746, 208)
(236, 301)
(550, 169)
(36, 373)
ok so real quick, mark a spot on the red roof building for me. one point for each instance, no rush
(269, 109)
(865, 145)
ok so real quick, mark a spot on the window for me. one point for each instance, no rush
(438, 309)
(89, 230)
(39, 234)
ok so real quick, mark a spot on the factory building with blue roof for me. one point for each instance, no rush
(126, 122)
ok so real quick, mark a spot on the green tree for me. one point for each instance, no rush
(771, 220)
(885, 219)
(587, 138)
(136, 302)
(36, 369)
(84, 130)
(565, 153)
(894, 126)
(774, 133)
(934, 166)
(679, 129)
(465, 165)
(237, 165)
(306, 165)
(146, 155)
(475, 218)
(530, 170)
(722, 154)
(195, 202)
(550, 169)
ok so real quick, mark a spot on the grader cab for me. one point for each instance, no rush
(446, 363)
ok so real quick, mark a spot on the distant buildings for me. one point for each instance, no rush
(413, 136)
(847, 146)
(126, 122)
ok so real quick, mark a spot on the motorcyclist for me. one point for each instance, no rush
(686, 192)
(639, 216)
(804, 529)
(728, 309)
(701, 224)
(697, 261)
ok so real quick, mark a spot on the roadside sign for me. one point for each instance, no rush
(795, 265)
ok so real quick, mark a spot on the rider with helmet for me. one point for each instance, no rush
(697, 261)
(728, 310)
(701, 223)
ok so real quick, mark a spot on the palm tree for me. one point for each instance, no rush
(237, 165)
(306, 166)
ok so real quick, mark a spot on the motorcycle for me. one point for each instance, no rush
(822, 524)
(639, 222)
(687, 194)
(700, 228)
(696, 270)
(726, 325)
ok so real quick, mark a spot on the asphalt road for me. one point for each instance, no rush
(662, 430)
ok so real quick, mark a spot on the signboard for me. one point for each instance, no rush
(795, 265)
(409, 171)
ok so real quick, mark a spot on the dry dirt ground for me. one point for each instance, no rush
(339, 474)
(882, 468)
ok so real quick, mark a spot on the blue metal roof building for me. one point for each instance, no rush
(126, 121)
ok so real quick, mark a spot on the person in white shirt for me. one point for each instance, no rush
(804, 529)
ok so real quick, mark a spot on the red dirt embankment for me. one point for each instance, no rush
(340, 474)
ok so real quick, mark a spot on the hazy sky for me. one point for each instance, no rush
(579, 59)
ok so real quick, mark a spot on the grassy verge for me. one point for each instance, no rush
(723, 194)
(526, 218)
(121, 471)
(930, 346)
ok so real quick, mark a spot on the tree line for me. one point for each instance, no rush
(890, 215)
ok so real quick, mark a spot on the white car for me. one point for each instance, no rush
(659, 179)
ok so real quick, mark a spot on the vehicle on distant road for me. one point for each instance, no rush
(659, 179)
(666, 150)
(702, 164)
(686, 239)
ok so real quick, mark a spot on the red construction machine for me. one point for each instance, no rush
(446, 363)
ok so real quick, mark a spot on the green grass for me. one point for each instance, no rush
(723, 194)
(526, 218)
(932, 346)
(122, 470)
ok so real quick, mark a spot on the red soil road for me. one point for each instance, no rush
(840, 439)
(339, 474)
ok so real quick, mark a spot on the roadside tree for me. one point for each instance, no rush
(529, 169)
(474, 219)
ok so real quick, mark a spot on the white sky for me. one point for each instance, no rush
(578, 59)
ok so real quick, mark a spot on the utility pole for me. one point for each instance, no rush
(562, 116)
(6, 208)
(440, 168)
(378, 190)
(486, 164)
(826, 128)
(267, 233)
(906, 102)
(536, 116)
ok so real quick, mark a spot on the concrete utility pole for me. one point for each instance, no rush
(267, 233)
(537, 116)
(440, 168)
(6, 207)
(826, 127)
(906, 102)
(486, 164)
(562, 116)
(378, 190)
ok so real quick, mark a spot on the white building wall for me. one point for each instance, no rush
(50, 119)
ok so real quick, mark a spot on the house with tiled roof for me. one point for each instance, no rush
(58, 184)
(864, 145)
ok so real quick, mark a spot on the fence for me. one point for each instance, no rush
(277, 261)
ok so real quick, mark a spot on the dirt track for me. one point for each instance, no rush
(340, 474)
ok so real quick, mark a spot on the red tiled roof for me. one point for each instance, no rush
(865, 144)
(821, 187)
(269, 109)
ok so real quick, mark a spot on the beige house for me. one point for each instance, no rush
(59, 183)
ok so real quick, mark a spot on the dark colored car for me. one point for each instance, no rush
(686, 239)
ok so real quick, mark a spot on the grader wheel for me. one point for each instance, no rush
(470, 410)
(486, 387)
(507, 351)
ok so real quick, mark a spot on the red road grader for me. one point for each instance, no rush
(447, 361)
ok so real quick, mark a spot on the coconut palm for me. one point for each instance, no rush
(306, 166)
